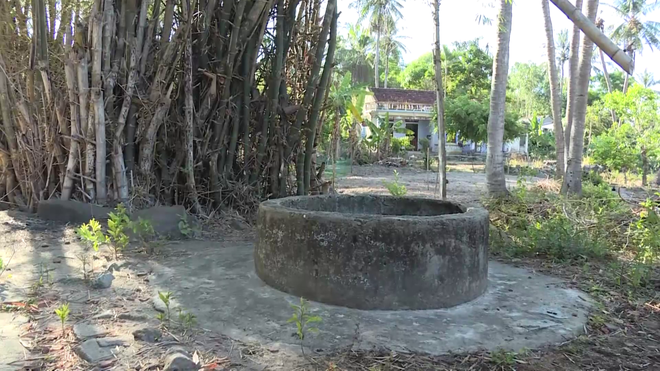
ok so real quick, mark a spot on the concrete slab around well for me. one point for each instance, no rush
(520, 309)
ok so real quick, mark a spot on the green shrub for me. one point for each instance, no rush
(396, 189)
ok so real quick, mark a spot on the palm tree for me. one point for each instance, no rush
(600, 23)
(636, 31)
(555, 93)
(440, 102)
(573, 61)
(563, 49)
(391, 43)
(378, 12)
(647, 79)
(353, 54)
(495, 158)
(573, 179)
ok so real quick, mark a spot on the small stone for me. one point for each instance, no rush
(104, 315)
(103, 281)
(238, 225)
(91, 352)
(86, 330)
(112, 342)
(67, 242)
(113, 268)
(611, 327)
(57, 260)
(132, 317)
(149, 335)
(159, 305)
(45, 245)
(179, 362)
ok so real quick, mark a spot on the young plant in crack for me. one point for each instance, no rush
(91, 234)
(166, 298)
(144, 230)
(304, 321)
(63, 313)
(118, 222)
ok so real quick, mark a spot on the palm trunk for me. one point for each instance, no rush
(573, 60)
(387, 66)
(377, 61)
(573, 179)
(440, 101)
(496, 180)
(555, 97)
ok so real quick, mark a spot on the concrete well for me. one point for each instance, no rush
(373, 252)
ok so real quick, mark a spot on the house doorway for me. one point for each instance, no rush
(414, 138)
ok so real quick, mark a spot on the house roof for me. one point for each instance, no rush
(404, 96)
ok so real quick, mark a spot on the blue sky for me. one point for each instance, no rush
(458, 23)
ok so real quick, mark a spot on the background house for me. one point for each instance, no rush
(415, 109)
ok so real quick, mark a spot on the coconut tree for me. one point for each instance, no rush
(440, 102)
(647, 80)
(555, 93)
(563, 50)
(391, 43)
(573, 179)
(495, 158)
(635, 30)
(378, 13)
(573, 60)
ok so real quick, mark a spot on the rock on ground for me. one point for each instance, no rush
(67, 211)
(149, 335)
(165, 219)
(92, 352)
(103, 281)
(86, 330)
(179, 362)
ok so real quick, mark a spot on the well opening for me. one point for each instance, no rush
(375, 205)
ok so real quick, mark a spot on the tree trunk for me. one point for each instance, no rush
(555, 97)
(87, 124)
(495, 157)
(331, 15)
(589, 28)
(387, 66)
(70, 74)
(645, 166)
(440, 101)
(573, 179)
(189, 109)
(573, 61)
(377, 61)
(97, 101)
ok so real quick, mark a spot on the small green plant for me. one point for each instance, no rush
(118, 222)
(166, 298)
(396, 189)
(185, 227)
(503, 358)
(91, 233)
(63, 313)
(145, 232)
(303, 320)
(187, 320)
(43, 280)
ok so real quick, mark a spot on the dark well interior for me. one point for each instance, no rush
(376, 205)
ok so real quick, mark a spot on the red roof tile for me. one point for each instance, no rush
(404, 96)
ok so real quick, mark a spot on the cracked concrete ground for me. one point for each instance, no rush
(521, 309)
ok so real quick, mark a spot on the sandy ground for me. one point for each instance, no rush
(464, 187)
(232, 328)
